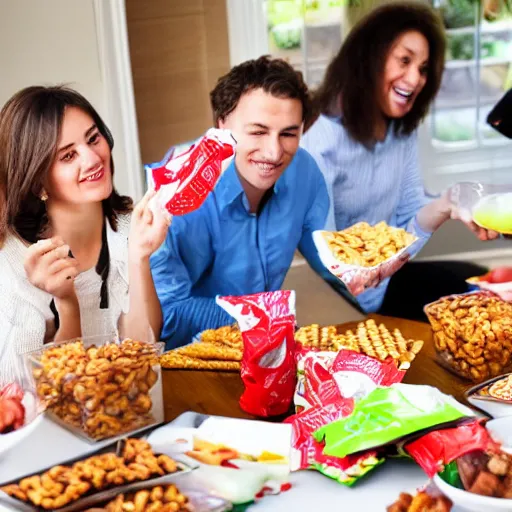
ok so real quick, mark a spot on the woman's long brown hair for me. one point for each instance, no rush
(30, 126)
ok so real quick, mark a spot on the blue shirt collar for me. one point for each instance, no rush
(229, 187)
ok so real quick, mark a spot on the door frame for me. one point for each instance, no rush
(119, 98)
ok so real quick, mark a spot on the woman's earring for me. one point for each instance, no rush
(44, 196)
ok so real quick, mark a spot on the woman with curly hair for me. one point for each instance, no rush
(375, 93)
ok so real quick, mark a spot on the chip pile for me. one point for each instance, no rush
(367, 246)
(369, 338)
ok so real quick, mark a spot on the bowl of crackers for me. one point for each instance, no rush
(472, 334)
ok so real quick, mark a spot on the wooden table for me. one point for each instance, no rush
(218, 392)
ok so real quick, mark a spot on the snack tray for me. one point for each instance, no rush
(92, 499)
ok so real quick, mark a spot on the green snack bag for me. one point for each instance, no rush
(386, 415)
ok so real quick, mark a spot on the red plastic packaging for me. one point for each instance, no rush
(267, 324)
(327, 377)
(436, 449)
(309, 452)
(183, 181)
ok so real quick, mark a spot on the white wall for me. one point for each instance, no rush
(55, 41)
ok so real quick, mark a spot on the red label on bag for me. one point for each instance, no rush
(184, 181)
(267, 324)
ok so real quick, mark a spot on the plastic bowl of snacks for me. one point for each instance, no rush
(99, 387)
(20, 414)
(493, 396)
(472, 502)
(472, 334)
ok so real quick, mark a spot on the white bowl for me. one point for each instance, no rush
(491, 407)
(472, 502)
(7, 441)
(500, 430)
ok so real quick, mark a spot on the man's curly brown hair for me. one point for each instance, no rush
(274, 76)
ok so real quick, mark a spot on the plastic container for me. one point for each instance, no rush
(472, 334)
(489, 206)
(99, 387)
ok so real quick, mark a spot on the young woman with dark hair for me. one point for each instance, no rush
(375, 93)
(69, 243)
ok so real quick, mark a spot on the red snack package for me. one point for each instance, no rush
(436, 449)
(326, 377)
(12, 411)
(183, 181)
(309, 452)
(267, 324)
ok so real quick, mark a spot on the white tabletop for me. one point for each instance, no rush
(50, 444)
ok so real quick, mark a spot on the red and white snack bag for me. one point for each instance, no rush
(184, 180)
(267, 324)
(307, 453)
(438, 448)
(498, 281)
(327, 377)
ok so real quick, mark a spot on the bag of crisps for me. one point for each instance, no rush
(488, 206)
(267, 324)
(388, 414)
(326, 377)
(308, 453)
(435, 450)
(498, 281)
(183, 180)
(362, 256)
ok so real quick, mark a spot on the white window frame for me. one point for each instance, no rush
(249, 39)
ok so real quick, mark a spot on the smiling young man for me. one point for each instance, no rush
(265, 205)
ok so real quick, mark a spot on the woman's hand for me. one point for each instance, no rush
(148, 229)
(465, 217)
(49, 268)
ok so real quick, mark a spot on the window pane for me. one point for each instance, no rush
(285, 24)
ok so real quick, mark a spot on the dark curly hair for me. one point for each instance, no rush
(274, 76)
(352, 80)
(30, 126)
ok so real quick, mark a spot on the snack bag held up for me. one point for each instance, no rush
(362, 256)
(183, 181)
(267, 323)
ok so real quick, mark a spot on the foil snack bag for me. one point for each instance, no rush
(267, 324)
(184, 180)
(362, 256)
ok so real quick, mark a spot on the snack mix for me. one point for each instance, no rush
(473, 333)
(369, 338)
(422, 502)
(103, 391)
(487, 474)
(367, 246)
(158, 499)
(218, 349)
(62, 485)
